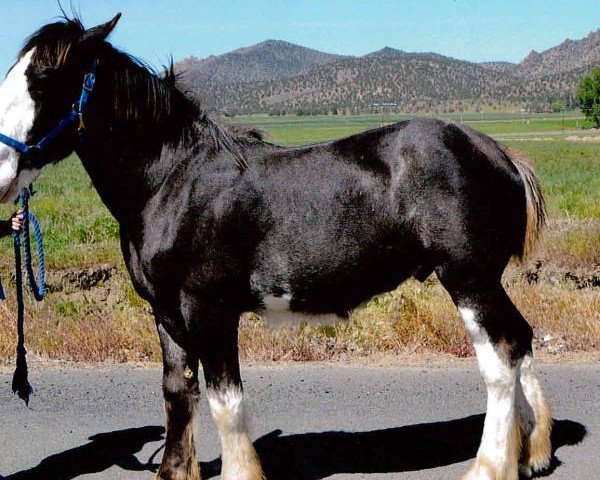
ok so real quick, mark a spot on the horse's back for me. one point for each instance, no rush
(421, 179)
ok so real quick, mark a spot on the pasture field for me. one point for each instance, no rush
(300, 130)
(93, 314)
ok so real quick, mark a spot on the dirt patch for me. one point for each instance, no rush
(579, 278)
(586, 138)
(400, 359)
(71, 280)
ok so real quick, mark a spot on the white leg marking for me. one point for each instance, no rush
(536, 420)
(528, 388)
(498, 453)
(240, 461)
(17, 111)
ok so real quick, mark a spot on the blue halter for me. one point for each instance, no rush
(74, 116)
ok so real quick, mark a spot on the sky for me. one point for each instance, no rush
(475, 30)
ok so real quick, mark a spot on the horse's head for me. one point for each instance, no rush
(39, 90)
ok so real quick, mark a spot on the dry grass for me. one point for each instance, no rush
(95, 315)
(105, 322)
(569, 315)
(416, 317)
(421, 318)
(570, 244)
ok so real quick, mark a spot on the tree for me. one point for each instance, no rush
(588, 95)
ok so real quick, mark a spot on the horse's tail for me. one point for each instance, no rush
(535, 206)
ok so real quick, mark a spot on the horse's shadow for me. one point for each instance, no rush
(306, 456)
(313, 456)
(104, 451)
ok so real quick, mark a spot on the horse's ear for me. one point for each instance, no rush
(100, 32)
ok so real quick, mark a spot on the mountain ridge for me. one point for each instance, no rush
(277, 76)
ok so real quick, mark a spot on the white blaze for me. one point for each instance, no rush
(17, 111)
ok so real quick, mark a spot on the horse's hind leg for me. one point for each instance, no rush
(180, 390)
(219, 357)
(536, 421)
(502, 341)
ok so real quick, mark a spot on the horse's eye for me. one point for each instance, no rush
(46, 82)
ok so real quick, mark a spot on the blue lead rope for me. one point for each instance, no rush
(38, 287)
(20, 383)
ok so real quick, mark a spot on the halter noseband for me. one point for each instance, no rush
(74, 116)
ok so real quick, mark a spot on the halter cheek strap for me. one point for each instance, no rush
(74, 116)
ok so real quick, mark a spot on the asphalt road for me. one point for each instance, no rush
(310, 422)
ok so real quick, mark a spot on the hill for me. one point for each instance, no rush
(276, 76)
(268, 60)
(569, 55)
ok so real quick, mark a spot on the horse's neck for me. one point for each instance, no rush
(125, 174)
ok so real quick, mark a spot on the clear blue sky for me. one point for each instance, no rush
(475, 30)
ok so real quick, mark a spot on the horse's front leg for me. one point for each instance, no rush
(219, 357)
(180, 389)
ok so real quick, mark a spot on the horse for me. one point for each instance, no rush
(215, 222)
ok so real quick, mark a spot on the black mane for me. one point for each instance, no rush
(141, 96)
(53, 42)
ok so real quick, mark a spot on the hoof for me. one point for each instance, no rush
(177, 477)
(537, 447)
(190, 473)
(525, 471)
(537, 461)
(245, 468)
(484, 469)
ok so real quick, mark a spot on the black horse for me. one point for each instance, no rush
(215, 222)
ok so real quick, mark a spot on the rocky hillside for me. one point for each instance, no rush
(267, 60)
(568, 56)
(276, 76)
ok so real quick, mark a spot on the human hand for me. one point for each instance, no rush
(16, 221)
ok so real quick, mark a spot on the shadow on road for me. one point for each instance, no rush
(104, 451)
(307, 456)
(313, 456)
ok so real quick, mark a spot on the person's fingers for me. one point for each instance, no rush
(17, 224)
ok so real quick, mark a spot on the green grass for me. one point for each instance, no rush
(300, 130)
(80, 232)
(78, 229)
(538, 125)
(570, 176)
(293, 130)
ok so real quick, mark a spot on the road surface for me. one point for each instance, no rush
(309, 422)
